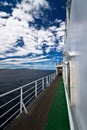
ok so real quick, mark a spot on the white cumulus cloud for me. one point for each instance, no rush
(17, 25)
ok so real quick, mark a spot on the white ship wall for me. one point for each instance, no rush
(77, 42)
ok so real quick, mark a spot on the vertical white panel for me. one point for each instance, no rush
(77, 41)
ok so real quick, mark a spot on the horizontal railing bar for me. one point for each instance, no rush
(29, 99)
(4, 94)
(9, 110)
(28, 95)
(21, 87)
(43, 85)
(39, 91)
(28, 90)
(42, 82)
(9, 101)
(41, 78)
(39, 83)
(39, 87)
(10, 118)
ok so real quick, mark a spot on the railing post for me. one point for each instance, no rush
(35, 88)
(21, 100)
(50, 77)
(42, 83)
(55, 75)
(47, 80)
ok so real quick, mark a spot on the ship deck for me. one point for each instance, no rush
(47, 112)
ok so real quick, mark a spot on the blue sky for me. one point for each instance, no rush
(31, 33)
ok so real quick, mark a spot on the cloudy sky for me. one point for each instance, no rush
(31, 33)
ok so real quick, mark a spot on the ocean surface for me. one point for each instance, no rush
(14, 78)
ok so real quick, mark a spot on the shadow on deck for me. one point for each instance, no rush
(47, 112)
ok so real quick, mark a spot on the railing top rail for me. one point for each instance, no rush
(6, 93)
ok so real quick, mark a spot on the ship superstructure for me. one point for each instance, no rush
(75, 63)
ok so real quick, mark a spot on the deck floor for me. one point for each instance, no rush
(41, 113)
(58, 115)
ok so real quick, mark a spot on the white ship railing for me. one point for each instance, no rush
(15, 101)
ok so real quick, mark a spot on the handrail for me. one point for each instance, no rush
(23, 95)
(9, 101)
